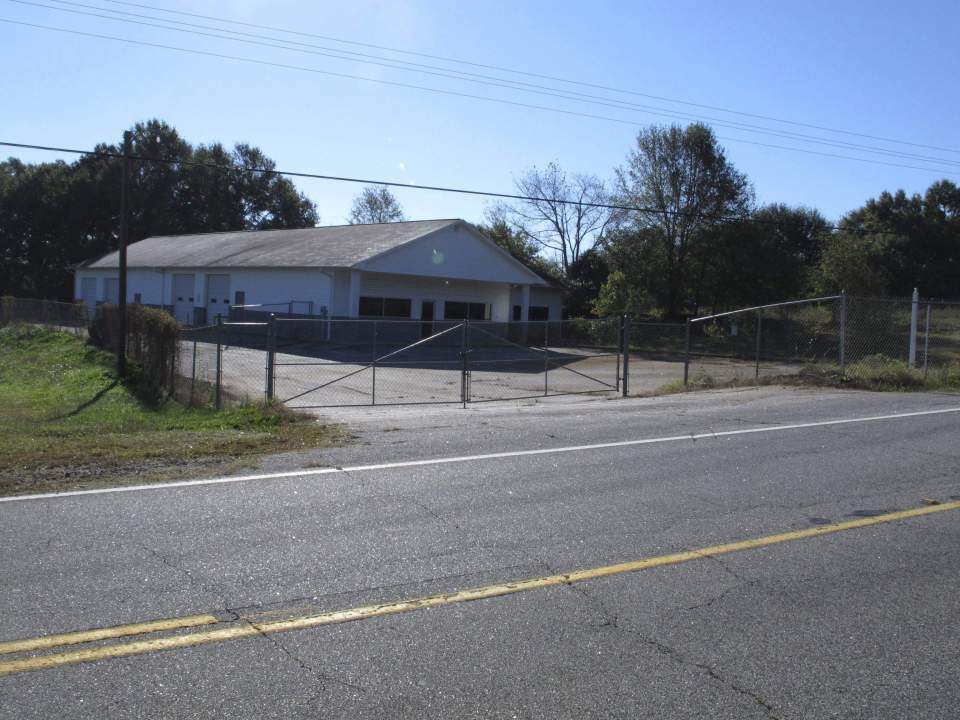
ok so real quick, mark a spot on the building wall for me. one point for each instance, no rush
(549, 297)
(260, 286)
(326, 289)
(340, 297)
(418, 289)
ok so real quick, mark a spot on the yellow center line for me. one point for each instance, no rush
(249, 629)
(47, 642)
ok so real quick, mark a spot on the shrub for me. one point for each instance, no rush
(152, 347)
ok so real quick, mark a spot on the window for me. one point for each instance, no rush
(137, 298)
(538, 312)
(464, 311)
(384, 307)
(240, 298)
(517, 313)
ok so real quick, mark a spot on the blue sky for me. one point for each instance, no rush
(880, 68)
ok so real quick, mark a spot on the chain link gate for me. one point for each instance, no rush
(336, 363)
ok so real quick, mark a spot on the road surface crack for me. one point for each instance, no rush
(196, 582)
(612, 620)
(681, 659)
(303, 664)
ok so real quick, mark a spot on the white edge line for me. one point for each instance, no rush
(474, 458)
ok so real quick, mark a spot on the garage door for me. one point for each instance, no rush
(183, 300)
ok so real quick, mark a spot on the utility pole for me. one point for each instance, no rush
(124, 230)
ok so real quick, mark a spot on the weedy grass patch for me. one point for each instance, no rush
(66, 421)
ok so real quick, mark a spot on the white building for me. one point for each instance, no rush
(429, 270)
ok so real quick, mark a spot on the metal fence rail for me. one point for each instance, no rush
(326, 362)
(74, 316)
(850, 336)
(320, 362)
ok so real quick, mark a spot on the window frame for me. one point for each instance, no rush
(544, 308)
(469, 310)
(377, 307)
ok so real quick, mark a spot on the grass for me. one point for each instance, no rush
(876, 372)
(66, 422)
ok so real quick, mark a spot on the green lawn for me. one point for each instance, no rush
(66, 422)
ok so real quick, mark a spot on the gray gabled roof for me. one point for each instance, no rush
(336, 246)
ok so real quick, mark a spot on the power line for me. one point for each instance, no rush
(436, 71)
(528, 74)
(727, 219)
(502, 101)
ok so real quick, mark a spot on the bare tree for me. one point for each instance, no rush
(566, 229)
(375, 204)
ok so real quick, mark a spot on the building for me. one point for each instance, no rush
(428, 270)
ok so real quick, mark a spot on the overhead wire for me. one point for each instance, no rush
(487, 80)
(500, 68)
(454, 93)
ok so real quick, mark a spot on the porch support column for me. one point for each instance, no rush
(353, 299)
(524, 303)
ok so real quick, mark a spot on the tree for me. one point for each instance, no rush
(855, 263)
(565, 229)
(375, 204)
(617, 296)
(54, 215)
(769, 257)
(905, 241)
(686, 186)
(584, 279)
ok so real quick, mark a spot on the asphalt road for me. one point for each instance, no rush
(860, 623)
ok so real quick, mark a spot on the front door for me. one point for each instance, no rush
(218, 297)
(426, 319)
(183, 287)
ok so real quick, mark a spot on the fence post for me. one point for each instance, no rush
(271, 354)
(218, 391)
(686, 356)
(759, 333)
(193, 371)
(926, 342)
(463, 363)
(626, 355)
(373, 367)
(914, 311)
(546, 366)
(619, 350)
(843, 333)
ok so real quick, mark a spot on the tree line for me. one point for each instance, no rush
(675, 232)
(54, 215)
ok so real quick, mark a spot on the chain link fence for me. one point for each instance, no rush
(311, 363)
(315, 362)
(69, 316)
(900, 339)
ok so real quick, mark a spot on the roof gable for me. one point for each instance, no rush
(453, 251)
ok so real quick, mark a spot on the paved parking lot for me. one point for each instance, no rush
(435, 376)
